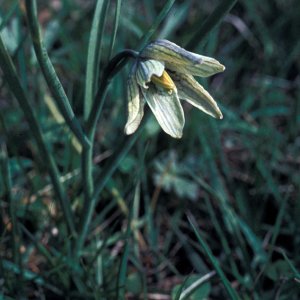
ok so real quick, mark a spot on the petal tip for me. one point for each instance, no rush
(176, 136)
(219, 115)
(128, 130)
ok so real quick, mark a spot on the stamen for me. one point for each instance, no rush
(164, 81)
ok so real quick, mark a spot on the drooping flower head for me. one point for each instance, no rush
(161, 75)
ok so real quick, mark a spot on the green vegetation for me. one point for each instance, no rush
(90, 213)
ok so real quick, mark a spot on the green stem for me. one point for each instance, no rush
(50, 75)
(111, 70)
(87, 175)
(16, 88)
(210, 22)
(114, 66)
(105, 175)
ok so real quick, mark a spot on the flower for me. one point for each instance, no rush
(161, 75)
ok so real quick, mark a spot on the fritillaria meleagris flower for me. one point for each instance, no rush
(162, 74)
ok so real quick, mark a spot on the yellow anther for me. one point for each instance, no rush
(164, 81)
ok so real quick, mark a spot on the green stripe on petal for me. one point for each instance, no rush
(181, 60)
(135, 106)
(190, 90)
(167, 109)
(208, 67)
(145, 70)
(167, 51)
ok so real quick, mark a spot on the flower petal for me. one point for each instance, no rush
(145, 70)
(167, 109)
(135, 106)
(190, 90)
(181, 60)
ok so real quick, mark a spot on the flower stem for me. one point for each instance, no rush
(102, 179)
(114, 66)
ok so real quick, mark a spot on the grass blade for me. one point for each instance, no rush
(230, 291)
(93, 59)
(15, 86)
(93, 55)
(111, 69)
(223, 240)
(151, 31)
(193, 287)
(276, 229)
(291, 265)
(124, 259)
(115, 27)
(197, 262)
(106, 174)
(51, 76)
(9, 14)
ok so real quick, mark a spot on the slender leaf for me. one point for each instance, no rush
(14, 84)
(153, 28)
(106, 174)
(230, 291)
(122, 277)
(186, 293)
(50, 75)
(115, 27)
(9, 14)
(93, 55)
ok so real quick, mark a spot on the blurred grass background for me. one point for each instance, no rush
(222, 202)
